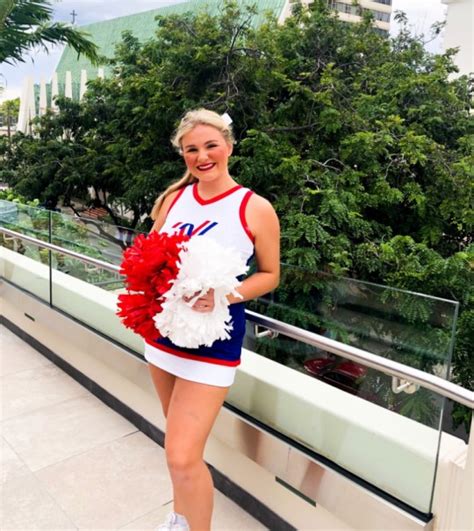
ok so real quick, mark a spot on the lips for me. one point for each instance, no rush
(206, 167)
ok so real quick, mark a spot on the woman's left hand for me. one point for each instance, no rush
(204, 304)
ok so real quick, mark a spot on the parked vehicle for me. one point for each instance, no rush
(343, 374)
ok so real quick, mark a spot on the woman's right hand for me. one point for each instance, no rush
(204, 304)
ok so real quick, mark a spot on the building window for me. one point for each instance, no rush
(344, 8)
(382, 32)
(386, 2)
(380, 15)
(350, 9)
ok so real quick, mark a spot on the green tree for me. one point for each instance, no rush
(9, 113)
(25, 24)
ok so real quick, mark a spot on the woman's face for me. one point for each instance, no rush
(206, 152)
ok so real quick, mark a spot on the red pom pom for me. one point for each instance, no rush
(137, 312)
(149, 266)
(152, 262)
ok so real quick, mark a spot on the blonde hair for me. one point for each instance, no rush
(187, 123)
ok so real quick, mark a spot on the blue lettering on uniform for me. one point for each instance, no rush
(189, 230)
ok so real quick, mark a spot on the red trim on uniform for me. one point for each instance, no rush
(243, 219)
(215, 361)
(202, 201)
(178, 195)
(201, 226)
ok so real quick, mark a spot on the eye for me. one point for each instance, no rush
(189, 150)
(212, 145)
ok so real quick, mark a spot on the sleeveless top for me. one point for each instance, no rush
(223, 219)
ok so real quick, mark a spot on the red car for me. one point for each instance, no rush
(343, 374)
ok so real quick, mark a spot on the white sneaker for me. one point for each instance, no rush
(174, 522)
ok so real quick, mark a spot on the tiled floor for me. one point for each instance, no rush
(70, 462)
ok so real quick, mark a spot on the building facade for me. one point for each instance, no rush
(350, 12)
(459, 33)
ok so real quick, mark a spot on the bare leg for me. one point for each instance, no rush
(164, 384)
(192, 412)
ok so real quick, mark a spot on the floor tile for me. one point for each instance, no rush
(92, 469)
(11, 465)
(228, 515)
(26, 505)
(16, 355)
(56, 432)
(150, 520)
(111, 485)
(26, 391)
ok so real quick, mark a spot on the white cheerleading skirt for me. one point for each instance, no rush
(189, 369)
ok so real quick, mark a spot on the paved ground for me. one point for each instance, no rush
(68, 461)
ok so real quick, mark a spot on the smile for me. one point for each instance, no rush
(206, 167)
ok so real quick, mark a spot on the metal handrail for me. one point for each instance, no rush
(393, 368)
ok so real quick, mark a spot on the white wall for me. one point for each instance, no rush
(459, 32)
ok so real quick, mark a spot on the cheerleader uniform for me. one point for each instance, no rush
(221, 218)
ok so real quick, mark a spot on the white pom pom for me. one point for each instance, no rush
(205, 264)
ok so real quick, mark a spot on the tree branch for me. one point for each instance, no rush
(290, 128)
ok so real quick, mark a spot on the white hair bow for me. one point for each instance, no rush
(227, 119)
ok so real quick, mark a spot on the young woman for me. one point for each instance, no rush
(192, 383)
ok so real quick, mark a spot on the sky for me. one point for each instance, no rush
(421, 14)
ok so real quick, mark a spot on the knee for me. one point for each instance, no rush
(181, 462)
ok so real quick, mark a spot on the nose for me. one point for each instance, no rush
(202, 155)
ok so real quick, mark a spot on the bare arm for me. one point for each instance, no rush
(264, 225)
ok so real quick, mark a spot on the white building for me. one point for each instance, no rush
(459, 33)
(351, 11)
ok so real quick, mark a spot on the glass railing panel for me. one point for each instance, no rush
(25, 265)
(91, 237)
(341, 411)
(84, 235)
(28, 220)
(81, 290)
(86, 292)
(347, 415)
(411, 328)
(89, 295)
(350, 415)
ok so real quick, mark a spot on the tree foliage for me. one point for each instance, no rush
(10, 109)
(25, 24)
(363, 143)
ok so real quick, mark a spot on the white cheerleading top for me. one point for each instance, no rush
(217, 218)
(221, 218)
